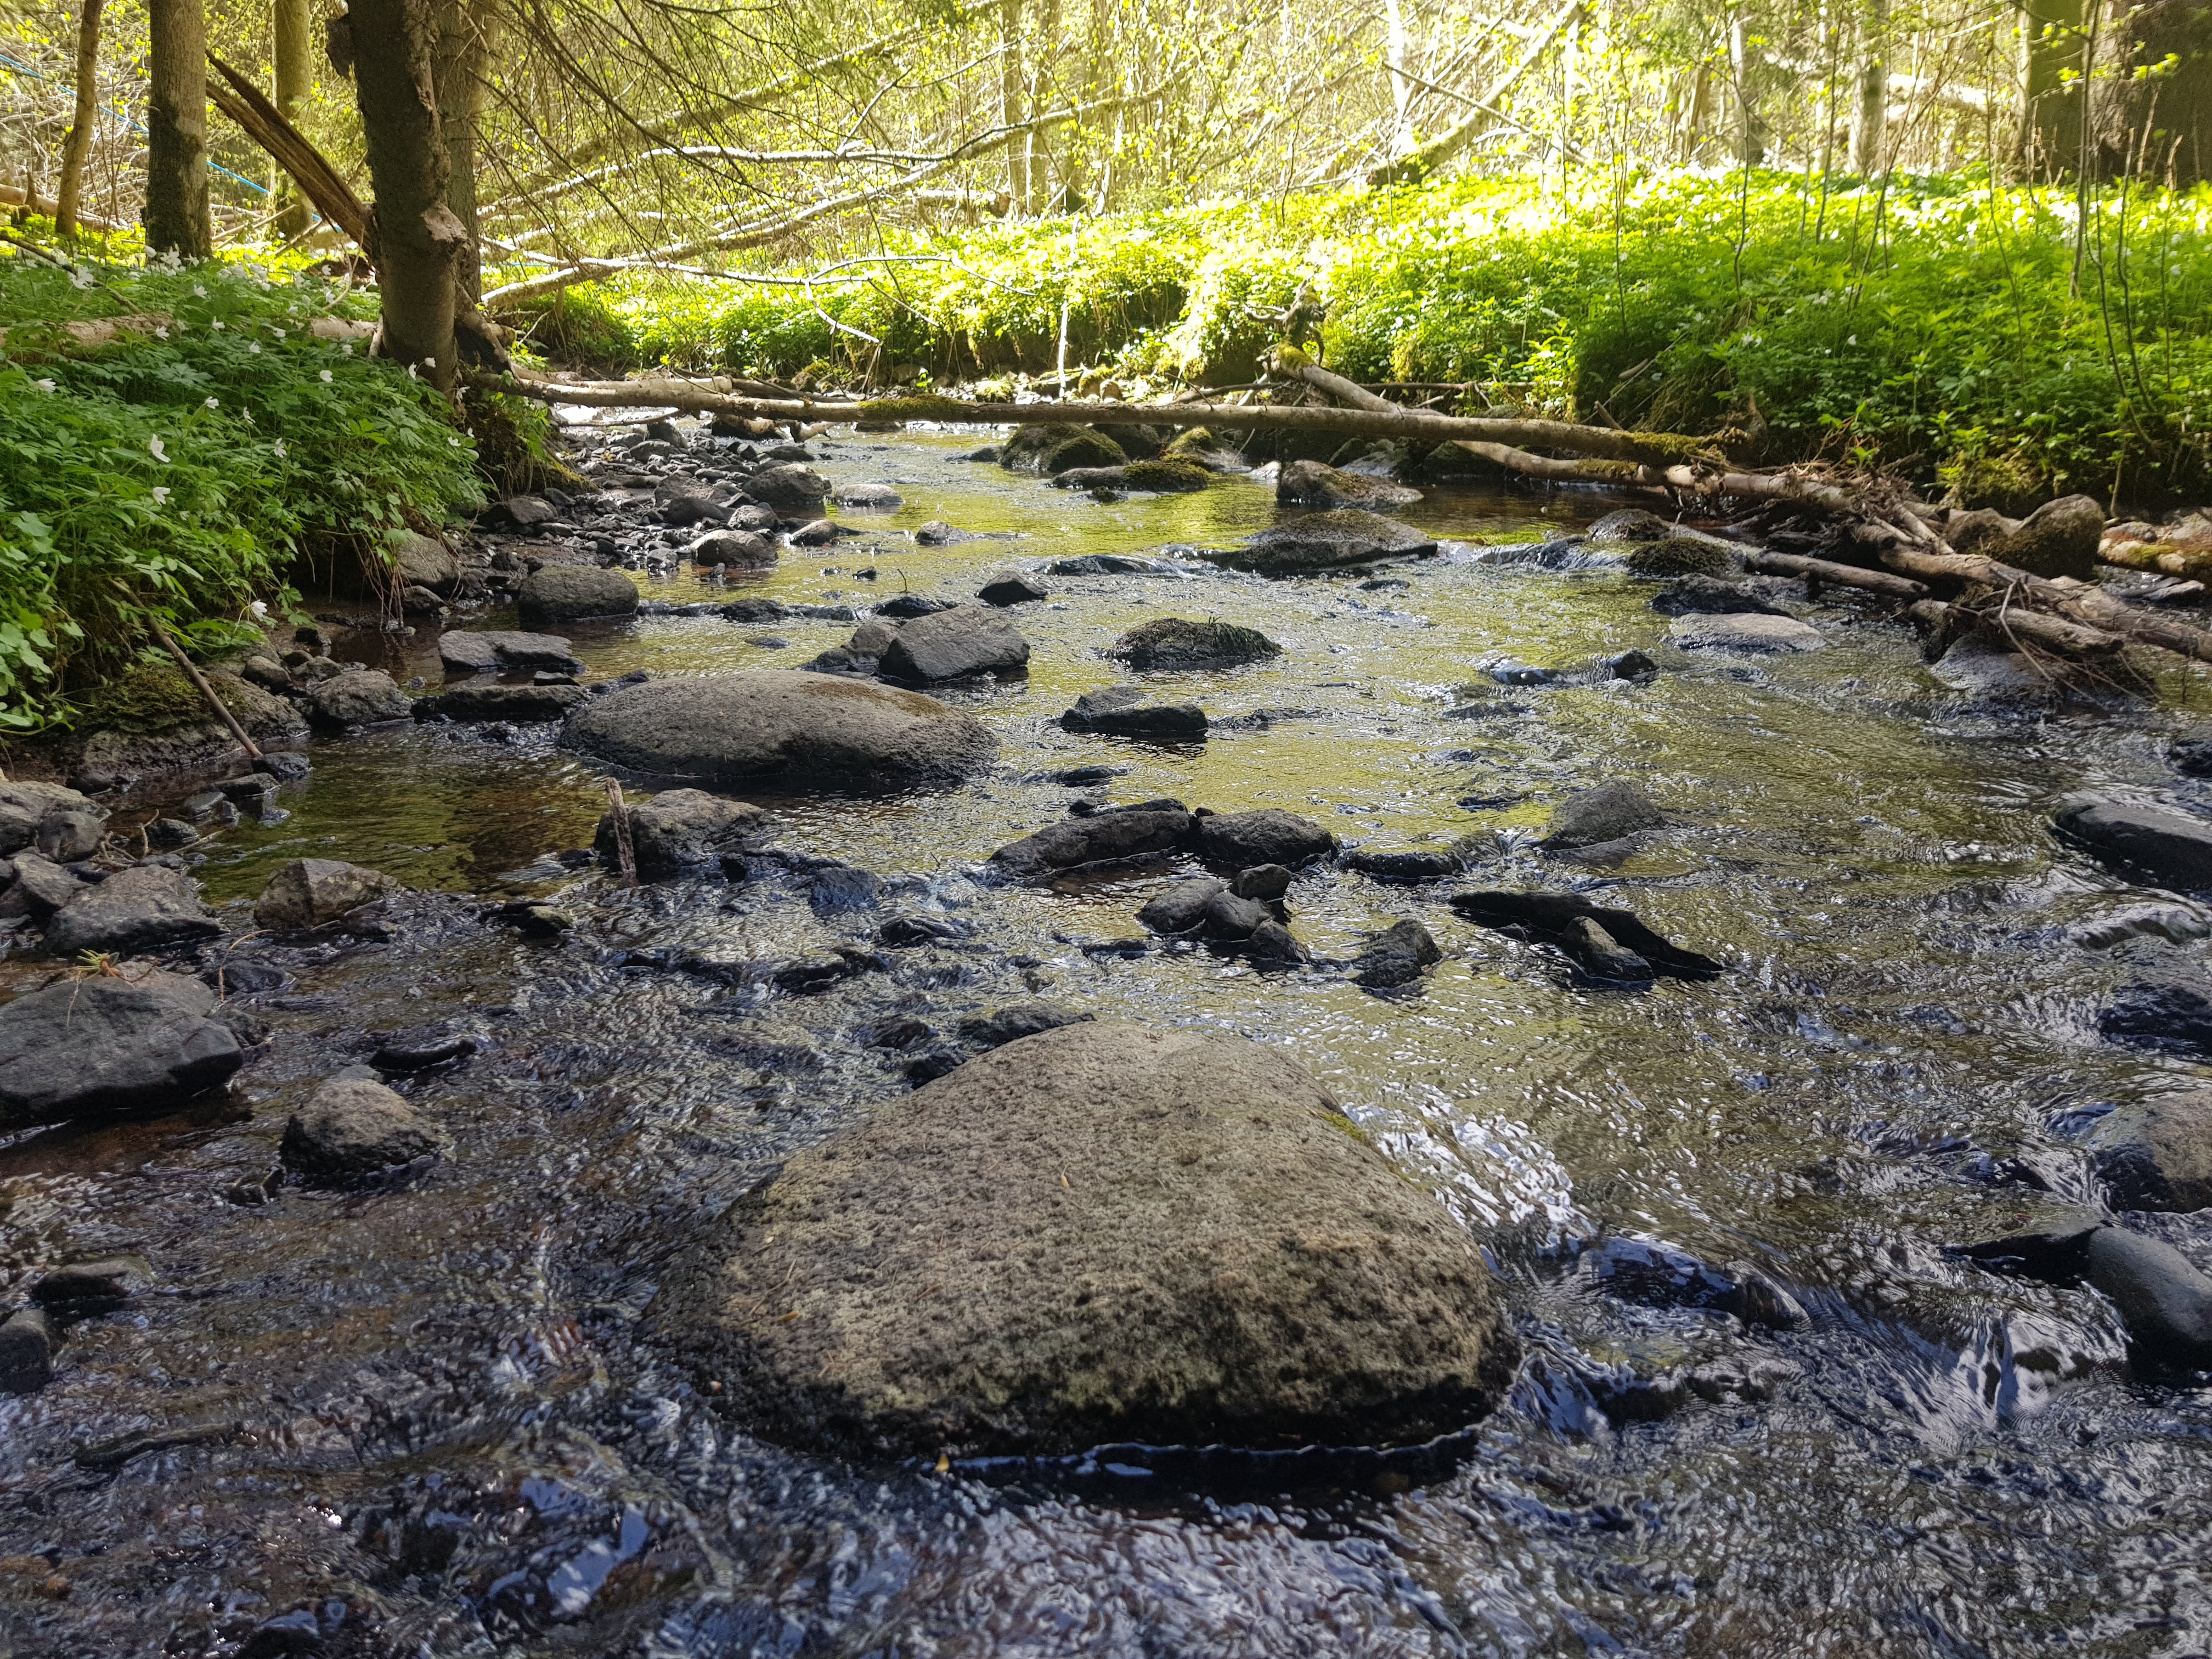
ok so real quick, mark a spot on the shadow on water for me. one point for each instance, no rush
(444, 1429)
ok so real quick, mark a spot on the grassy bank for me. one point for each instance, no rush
(186, 468)
(1987, 338)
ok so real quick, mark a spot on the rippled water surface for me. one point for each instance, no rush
(432, 1416)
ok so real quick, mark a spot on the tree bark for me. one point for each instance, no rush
(419, 242)
(78, 143)
(2164, 119)
(1011, 87)
(2058, 91)
(178, 219)
(467, 32)
(1870, 114)
(296, 80)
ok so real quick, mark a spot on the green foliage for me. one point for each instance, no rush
(177, 473)
(1960, 331)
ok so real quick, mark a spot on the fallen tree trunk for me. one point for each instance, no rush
(318, 181)
(1387, 422)
(1816, 572)
(2076, 602)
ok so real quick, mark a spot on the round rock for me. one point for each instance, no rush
(807, 730)
(1100, 1233)
(573, 592)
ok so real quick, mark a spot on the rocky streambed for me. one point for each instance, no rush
(1479, 1096)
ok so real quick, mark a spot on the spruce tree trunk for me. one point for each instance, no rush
(419, 241)
(1009, 104)
(2164, 121)
(178, 220)
(2051, 119)
(1870, 115)
(78, 143)
(466, 40)
(295, 79)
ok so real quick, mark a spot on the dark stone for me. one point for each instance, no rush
(311, 892)
(1109, 564)
(284, 766)
(867, 497)
(2172, 1012)
(906, 606)
(1326, 541)
(521, 512)
(1012, 587)
(573, 592)
(39, 886)
(1229, 917)
(1680, 555)
(2191, 757)
(1268, 835)
(142, 908)
(1397, 956)
(840, 888)
(1651, 1273)
(1016, 1021)
(922, 930)
(954, 644)
(1611, 812)
(521, 705)
(421, 1050)
(1628, 665)
(676, 830)
(358, 696)
(352, 1130)
(103, 1044)
(1405, 865)
(1182, 908)
(790, 487)
(90, 1287)
(66, 833)
(1121, 711)
(1170, 642)
(1310, 484)
(741, 549)
(1601, 957)
(1229, 1262)
(900, 1034)
(820, 533)
(1106, 838)
(2059, 538)
(1261, 881)
(2163, 844)
(2157, 1155)
(1054, 449)
(27, 1352)
(2162, 1299)
(1271, 939)
(938, 533)
(1547, 916)
(1710, 596)
(1629, 524)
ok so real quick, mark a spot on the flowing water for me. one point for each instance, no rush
(435, 1417)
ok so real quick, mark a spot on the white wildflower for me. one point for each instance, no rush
(327, 377)
(278, 449)
(80, 278)
(260, 610)
(347, 346)
(215, 322)
(454, 442)
(411, 374)
(162, 332)
(44, 386)
(198, 289)
(154, 448)
(211, 403)
(255, 348)
(429, 362)
(161, 494)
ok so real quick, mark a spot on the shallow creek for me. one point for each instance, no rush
(436, 1416)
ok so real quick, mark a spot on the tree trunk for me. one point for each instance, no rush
(295, 79)
(419, 241)
(1402, 89)
(1870, 114)
(1043, 95)
(2163, 120)
(178, 220)
(1009, 104)
(466, 40)
(2056, 88)
(78, 143)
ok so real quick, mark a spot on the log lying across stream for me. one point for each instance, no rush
(2060, 618)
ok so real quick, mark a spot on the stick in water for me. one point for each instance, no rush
(624, 850)
(194, 675)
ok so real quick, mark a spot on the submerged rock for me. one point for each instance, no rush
(2175, 1011)
(1229, 1261)
(1407, 864)
(1601, 957)
(1325, 541)
(2165, 1302)
(1019, 1020)
(809, 730)
(1121, 711)
(954, 644)
(1742, 632)
(1548, 916)
(2157, 1155)
(142, 908)
(1678, 555)
(105, 1043)
(1106, 838)
(1709, 596)
(521, 705)
(678, 829)
(1310, 484)
(2157, 842)
(1170, 642)
(1651, 1273)
(309, 892)
(27, 1342)
(352, 1130)
(1109, 564)
(573, 592)
(1611, 812)
(1397, 956)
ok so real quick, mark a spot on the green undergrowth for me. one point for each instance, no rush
(1984, 338)
(179, 475)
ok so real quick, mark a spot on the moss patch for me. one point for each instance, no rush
(1173, 642)
(151, 697)
(1167, 477)
(1680, 555)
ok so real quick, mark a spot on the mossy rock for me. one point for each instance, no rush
(1196, 438)
(2009, 483)
(1169, 476)
(1172, 643)
(151, 697)
(1680, 555)
(1052, 450)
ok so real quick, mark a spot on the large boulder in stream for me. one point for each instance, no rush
(1101, 1233)
(573, 592)
(1310, 484)
(105, 1043)
(810, 731)
(954, 644)
(2157, 1155)
(1172, 643)
(2167, 846)
(1054, 449)
(146, 908)
(1325, 541)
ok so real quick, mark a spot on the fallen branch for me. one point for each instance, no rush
(318, 181)
(1816, 571)
(2078, 602)
(193, 674)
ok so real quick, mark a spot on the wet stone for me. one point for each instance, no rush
(2170, 847)
(1406, 865)
(1739, 632)
(1397, 956)
(2157, 1154)
(1019, 1020)
(27, 1352)
(1268, 835)
(148, 1042)
(1012, 587)
(1261, 881)
(1182, 908)
(1608, 812)
(146, 908)
(1124, 711)
(310, 892)
(423, 1049)
(351, 1130)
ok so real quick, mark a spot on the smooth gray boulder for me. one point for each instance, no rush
(105, 1043)
(2157, 1154)
(742, 550)
(792, 489)
(523, 705)
(1124, 711)
(951, 644)
(142, 908)
(803, 730)
(2157, 842)
(1325, 541)
(1105, 838)
(419, 562)
(1744, 631)
(22, 806)
(309, 892)
(558, 593)
(1611, 812)
(2165, 1302)
(1310, 484)
(505, 649)
(1268, 835)
(358, 696)
(676, 828)
(1181, 906)
(1116, 1234)
(352, 1130)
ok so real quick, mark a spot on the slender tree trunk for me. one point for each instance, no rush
(78, 144)
(1870, 117)
(1041, 93)
(1010, 103)
(178, 220)
(296, 80)
(420, 243)
(1402, 89)
(467, 32)
(2057, 87)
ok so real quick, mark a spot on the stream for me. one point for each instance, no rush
(433, 1421)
